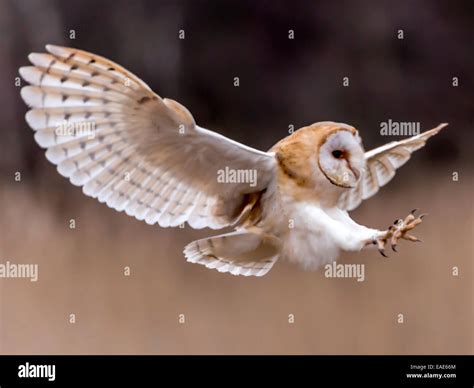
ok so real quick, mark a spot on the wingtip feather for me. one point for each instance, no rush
(435, 130)
(54, 49)
(30, 95)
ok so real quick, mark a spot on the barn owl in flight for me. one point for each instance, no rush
(108, 132)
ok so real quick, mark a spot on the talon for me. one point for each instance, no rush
(411, 238)
(411, 225)
(399, 230)
(381, 247)
(393, 241)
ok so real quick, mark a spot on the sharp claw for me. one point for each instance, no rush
(382, 252)
(411, 238)
(393, 242)
(399, 230)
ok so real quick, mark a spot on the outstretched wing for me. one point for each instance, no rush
(108, 132)
(382, 163)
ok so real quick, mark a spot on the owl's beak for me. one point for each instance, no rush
(356, 173)
(354, 170)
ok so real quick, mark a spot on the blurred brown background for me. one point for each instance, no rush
(282, 82)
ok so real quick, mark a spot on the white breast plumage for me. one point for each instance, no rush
(306, 241)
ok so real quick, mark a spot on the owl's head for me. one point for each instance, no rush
(341, 157)
(325, 157)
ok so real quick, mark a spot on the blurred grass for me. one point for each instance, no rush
(81, 272)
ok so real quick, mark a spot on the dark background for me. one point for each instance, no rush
(282, 82)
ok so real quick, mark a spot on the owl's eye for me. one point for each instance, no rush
(338, 154)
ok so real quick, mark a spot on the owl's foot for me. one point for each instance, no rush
(399, 230)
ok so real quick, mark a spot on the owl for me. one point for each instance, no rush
(109, 133)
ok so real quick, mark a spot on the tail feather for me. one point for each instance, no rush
(238, 253)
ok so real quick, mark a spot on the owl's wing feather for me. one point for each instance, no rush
(108, 132)
(381, 165)
(238, 253)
